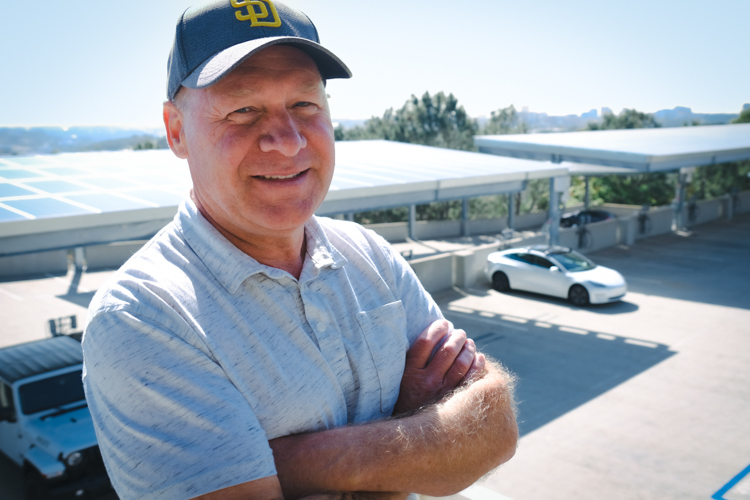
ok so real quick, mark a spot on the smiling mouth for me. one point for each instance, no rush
(280, 177)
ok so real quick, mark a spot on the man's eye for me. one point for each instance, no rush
(243, 110)
(303, 104)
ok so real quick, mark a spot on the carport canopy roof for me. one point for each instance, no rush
(377, 174)
(93, 198)
(644, 150)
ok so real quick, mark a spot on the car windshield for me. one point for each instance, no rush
(573, 261)
(52, 392)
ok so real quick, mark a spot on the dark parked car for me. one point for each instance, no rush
(574, 219)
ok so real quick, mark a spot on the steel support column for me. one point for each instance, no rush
(512, 210)
(587, 195)
(465, 217)
(554, 214)
(412, 222)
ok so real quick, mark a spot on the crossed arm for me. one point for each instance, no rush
(455, 421)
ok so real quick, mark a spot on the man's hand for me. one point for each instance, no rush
(440, 360)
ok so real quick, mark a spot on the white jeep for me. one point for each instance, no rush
(45, 424)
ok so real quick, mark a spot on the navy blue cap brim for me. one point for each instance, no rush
(220, 65)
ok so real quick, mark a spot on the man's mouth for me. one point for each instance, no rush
(281, 177)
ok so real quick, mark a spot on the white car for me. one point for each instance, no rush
(556, 271)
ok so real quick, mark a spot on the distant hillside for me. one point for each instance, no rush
(51, 140)
(681, 115)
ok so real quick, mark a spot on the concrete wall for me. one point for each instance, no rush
(708, 210)
(111, 256)
(432, 230)
(55, 262)
(435, 272)
(469, 264)
(395, 232)
(602, 234)
(661, 222)
(744, 206)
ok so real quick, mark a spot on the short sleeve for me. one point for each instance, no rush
(169, 422)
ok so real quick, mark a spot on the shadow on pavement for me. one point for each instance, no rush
(619, 307)
(559, 368)
(708, 266)
(82, 299)
(11, 482)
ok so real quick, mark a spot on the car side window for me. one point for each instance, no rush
(526, 258)
(541, 261)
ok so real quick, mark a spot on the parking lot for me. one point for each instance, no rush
(647, 398)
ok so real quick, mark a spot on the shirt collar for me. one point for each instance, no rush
(231, 267)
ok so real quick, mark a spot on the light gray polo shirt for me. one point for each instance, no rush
(196, 354)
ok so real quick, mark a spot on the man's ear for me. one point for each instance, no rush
(173, 121)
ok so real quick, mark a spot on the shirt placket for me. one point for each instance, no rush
(330, 342)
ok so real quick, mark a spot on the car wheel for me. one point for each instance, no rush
(500, 282)
(578, 295)
(34, 485)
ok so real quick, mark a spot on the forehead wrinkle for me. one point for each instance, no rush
(252, 89)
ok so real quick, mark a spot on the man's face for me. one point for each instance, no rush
(259, 144)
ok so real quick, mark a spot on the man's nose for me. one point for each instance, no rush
(282, 135)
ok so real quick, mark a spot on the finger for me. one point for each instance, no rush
(477, 368)
(446, 355)
(461, 366)
(430, 339)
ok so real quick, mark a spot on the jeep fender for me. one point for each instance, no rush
(47, 465)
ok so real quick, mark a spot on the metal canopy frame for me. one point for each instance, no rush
(630, 151)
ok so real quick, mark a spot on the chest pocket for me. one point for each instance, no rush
(384, 330)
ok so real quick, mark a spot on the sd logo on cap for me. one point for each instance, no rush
(253, 16)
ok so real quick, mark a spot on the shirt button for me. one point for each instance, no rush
(321, 327)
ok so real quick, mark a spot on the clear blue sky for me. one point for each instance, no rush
(87, 62)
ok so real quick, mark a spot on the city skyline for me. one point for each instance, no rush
(72, 65)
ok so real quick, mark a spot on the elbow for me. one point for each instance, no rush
(507, 441)
(505, 436)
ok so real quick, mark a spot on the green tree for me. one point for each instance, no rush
(628, 118)
(640, 189)
(432, 120)
(504, 121)
(713, 181)
(744, 116)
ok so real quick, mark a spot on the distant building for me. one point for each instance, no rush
(591, 115)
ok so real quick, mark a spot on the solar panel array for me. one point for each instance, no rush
(37, 187)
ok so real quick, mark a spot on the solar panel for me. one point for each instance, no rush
(17, 173)
(37, 187)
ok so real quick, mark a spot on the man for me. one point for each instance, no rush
(252, 350)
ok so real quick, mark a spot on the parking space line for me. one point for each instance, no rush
(719, 495)
(577, 331)
(641, 343)
(496, 322)
(476, 492)
(11, 295)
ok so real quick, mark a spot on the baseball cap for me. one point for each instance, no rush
(213, 39)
